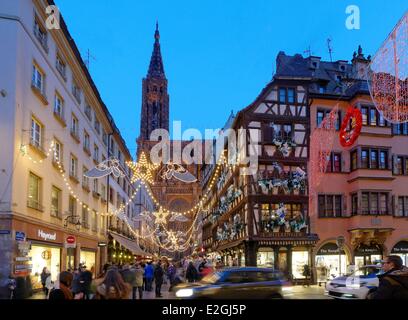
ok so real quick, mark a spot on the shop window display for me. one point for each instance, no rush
(43, 256)
(88, 258)
(327, 266)
(299, 259)
(265, 258)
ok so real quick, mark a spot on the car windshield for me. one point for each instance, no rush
(211, 278)
(365, 271)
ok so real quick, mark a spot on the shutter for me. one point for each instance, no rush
(394, 164)
(392, 204)
(344, 209)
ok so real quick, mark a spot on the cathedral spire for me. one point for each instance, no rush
(156, 69)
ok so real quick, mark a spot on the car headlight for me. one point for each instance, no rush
(357, 285)
(184, 293)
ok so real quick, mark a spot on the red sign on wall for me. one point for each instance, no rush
(71, 239)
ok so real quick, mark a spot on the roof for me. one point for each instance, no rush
(156, 69)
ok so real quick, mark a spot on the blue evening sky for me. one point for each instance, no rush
(217, 55)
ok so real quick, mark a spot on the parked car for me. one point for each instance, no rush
(235, 283)
(355, 285)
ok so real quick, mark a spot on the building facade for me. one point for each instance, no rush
(54, 128)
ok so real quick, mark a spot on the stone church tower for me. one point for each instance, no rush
(173, 194)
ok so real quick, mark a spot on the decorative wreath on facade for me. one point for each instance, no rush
(347, 138)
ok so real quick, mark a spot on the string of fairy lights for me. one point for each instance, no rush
(143, 173)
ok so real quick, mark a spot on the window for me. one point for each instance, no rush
(61, 67)
(373, 117)
(374, 159)
(73, 168)
(94, 221)
(34, 192)
(102, 224)
(55, 202)
(112, 147)
(282, 95)
(364, 113)
(322, 88)
(76, 91)
(58, 155)
(36, 138)
(120, 156)
(330, 206)
(353, 159)
(364, 159)
(40, 33)
(400, 129)
(88, 112)
(84, 217)
(96, 153)
(354, 204)
(364, 204)
(334, 163)
(97, 126)
(111, 195)
(95, 186)
(399, 166)
(291, 95)
(72, 206)
(86, 141)
(103, 192)
(402, 207)
(381, 120)
(383, 159)
(74, 126)
(59, 105)
(320, 117)
(375, 203)
(85, 179)
(38, 79)
(105, 138)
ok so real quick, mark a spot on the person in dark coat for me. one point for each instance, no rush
(44, 275)
(393, 283)
(171, 273)
(76, 286)
(158, 278)
(64, 292)
(85, 281)
(191, 273)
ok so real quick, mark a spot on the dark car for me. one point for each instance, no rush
(235, 283)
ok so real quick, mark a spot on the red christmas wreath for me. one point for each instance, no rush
(355, 119)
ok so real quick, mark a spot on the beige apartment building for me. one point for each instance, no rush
(54, 127)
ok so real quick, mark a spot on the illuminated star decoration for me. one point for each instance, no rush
(142, 169)
(160, 216)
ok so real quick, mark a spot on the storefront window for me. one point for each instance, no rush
(401, 249)
(265, 258)
(44, 256)
(88, 258)
(299, 259)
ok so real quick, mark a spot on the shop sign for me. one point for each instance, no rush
(23, 258)
(368, 250)
(102, 244)
(400, 247)
(5, 232)
(23, 266)
(71, 239)
(20, 236)
(328, 249)
(47, 236)
(70, 242)
(24, 247)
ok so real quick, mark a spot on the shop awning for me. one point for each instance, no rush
(129, 244)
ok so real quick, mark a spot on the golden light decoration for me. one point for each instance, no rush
(161, 216)
(142, 169)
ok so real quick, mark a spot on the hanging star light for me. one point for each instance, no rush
(142, 169)
(160, 216)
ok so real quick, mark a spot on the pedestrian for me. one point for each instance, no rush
(143, 266)
(44, 275)
(171, 273)
(85, 281)
(113, 286)
(393, 283)
(127, 275)
(149, 273)
(158, 278)
(137, 285)
(76, 286)
(191, 273)
(63, 292)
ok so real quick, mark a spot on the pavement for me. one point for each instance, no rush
(291, 292)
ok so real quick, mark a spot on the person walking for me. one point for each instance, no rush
(63, 292)
(149, 273)
(171, 274)
(137, 284)
(76, 286)
(45, 274)
(158, 278)
(113, 286)
(393, 283)
(85, 281)
(191, 273)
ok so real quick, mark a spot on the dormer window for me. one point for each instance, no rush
(322, 88)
